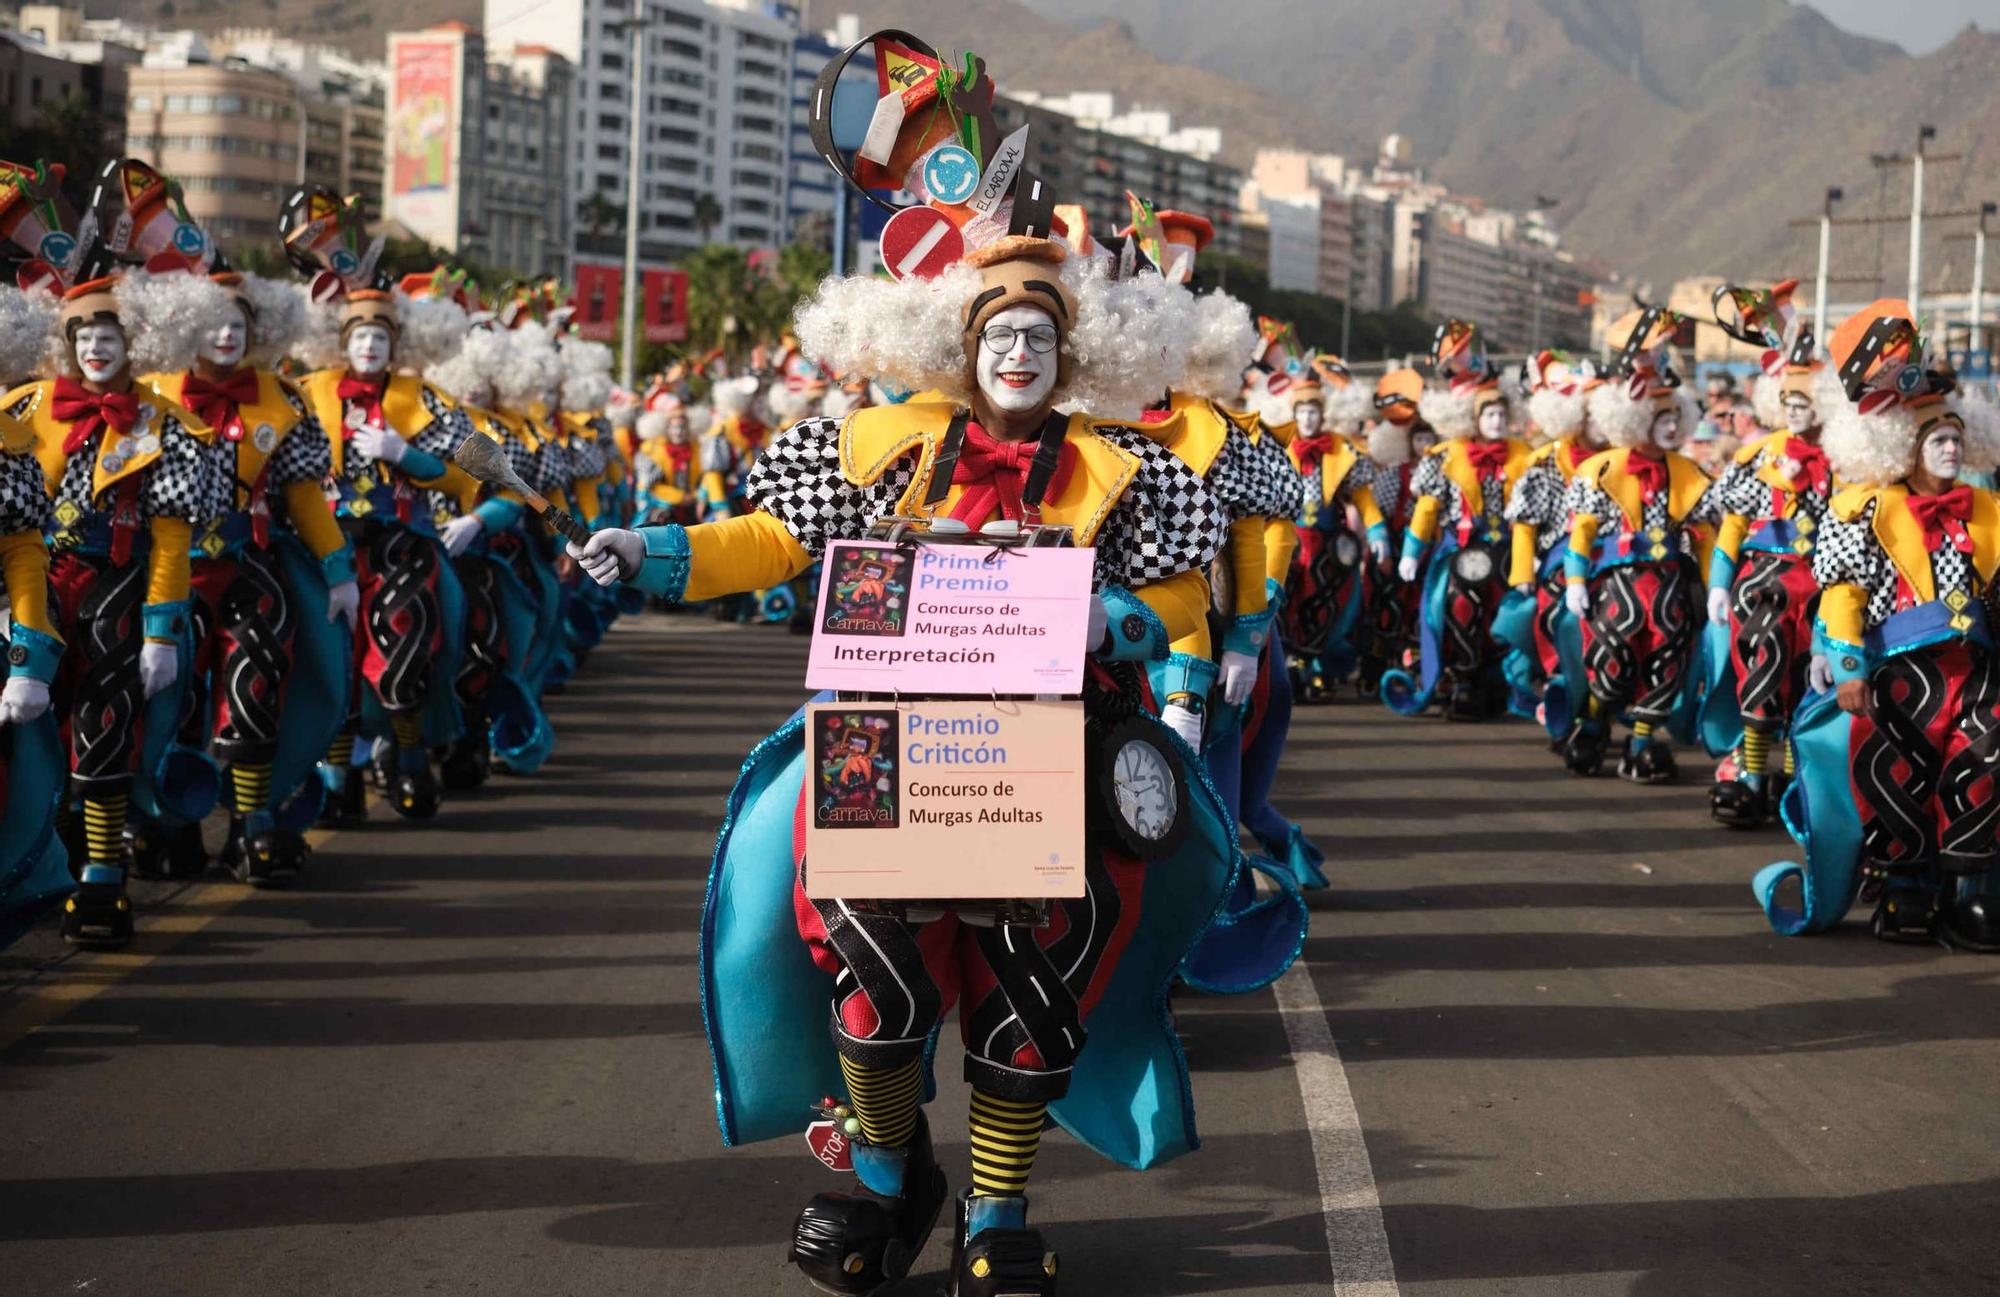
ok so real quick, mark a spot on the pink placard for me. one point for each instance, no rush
(970, 620)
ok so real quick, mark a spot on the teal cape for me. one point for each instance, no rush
(765, 1004)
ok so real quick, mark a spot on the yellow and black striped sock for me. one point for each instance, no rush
(340, 752)
(886, 1100)
(1791, 758)
(1642, 733)
(104, 828)
(1006, 1135)
(1756, 752)
(250, 786)
(409, 731)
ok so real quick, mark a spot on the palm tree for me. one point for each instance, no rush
(599, 214)
(707, 215)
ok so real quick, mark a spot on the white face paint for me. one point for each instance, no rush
(368, 349)
(100, 352)
(1493, 421)
(1943, 453)
(224, 346)
(1667, 431)
(1310, 416)
(678, 431)
(1799, 416)
(1017, 379)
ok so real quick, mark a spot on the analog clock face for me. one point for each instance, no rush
(1145, 782)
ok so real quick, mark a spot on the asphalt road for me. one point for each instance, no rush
(468, 1058)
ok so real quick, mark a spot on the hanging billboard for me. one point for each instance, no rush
(425, 88)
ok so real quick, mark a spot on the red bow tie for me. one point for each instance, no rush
(1943, 518)
(365, 391)
(679, 456)
(1812, 465)
(215, 404)
(994, 474)
(1651, 473)
(1307, 452)
(86, 411)
(1488, 457)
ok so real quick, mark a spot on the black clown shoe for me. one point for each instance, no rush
(1583, 751)
(858, 1242)
(1652, 763)
(160, 851)
(98, 916)
(467, 763)
(413, 789)
(995, 1254)
(1973, 923)
(1739, 803)
(1906, 913)
(261, 853)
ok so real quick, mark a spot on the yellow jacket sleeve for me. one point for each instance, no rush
(1246, 567)
(1281, 541)
(586, 494)
(454, 482)
(312, 518)
(1424, 518)
(1371, 510)
(24, 563)
(167, 563)
(1735, 528)
(1582, 539)
(1841, 609)
(1521, 570)
(1181, 602)
(749, 552)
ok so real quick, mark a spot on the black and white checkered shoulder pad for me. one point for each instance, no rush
(1167, 521)
(797, 480)
(24, 495)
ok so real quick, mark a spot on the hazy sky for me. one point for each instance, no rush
(1919, 26)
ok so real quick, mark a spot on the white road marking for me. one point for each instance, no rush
(1357, 1244)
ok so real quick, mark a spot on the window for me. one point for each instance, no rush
(229, 105)
(611, 61)
(141, 104)
(610, 122)
(175, 103)
(610, 152)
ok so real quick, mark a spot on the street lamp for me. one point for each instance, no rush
(1979, 277)
(1833, 195)
(1924, 134)
(628, 350)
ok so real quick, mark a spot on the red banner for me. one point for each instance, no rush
(600, 304)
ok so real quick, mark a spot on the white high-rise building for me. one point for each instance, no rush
(717, 107)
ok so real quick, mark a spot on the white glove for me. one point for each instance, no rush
(1379, 547)
(159, 666)
(1184, 723)
(1099, 622)
(343, 602)
(1239, 677)
(22, 700)
(611, 555)
(1820, 672)
(377, 442)
(1577, 599)
(1407, 569)
(1718, 605)
(459, 534)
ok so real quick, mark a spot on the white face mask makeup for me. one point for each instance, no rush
(369, 347)
(225, 346)
(1799, 415)
(1667, 431)
(1493, 421)
(1018, 355)
(1943, 453)
(1310, 417)
(100, 352)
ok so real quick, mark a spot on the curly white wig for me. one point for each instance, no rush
(1881, 448)
(586, 374)
(787, 406)
(469, 375)
(1623, 421)
(317, 343)
(429, 331)
(1389, 444)
(1225, 337)
(1347, 408)
(652, 425)
(166, 317)
(1556, 414)
(30, 344)
(1127, 345)
(733, 395)
(533, 370)
(281, 318)
(1767, 401)
(1448, 411)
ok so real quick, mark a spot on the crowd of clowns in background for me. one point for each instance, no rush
(251, 565)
